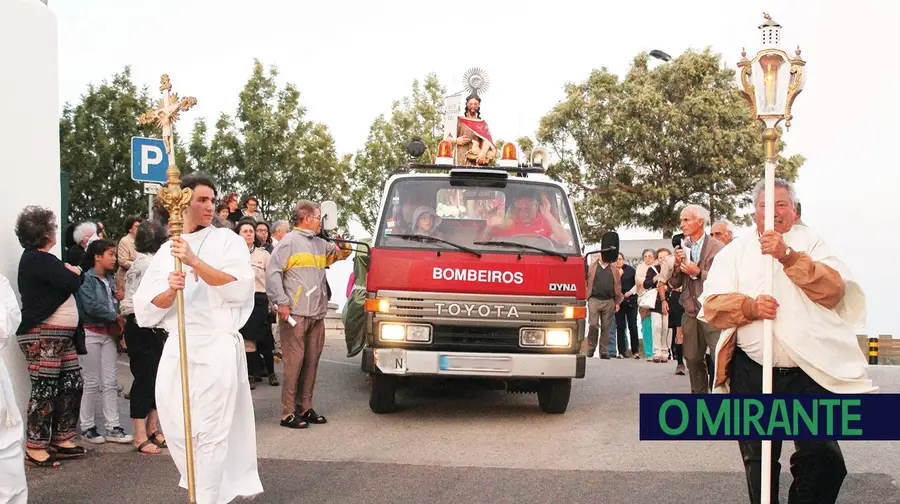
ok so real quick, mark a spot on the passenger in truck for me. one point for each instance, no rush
(427, 222)
(531, 215)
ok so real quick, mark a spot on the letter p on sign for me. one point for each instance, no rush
(149, 160)
(150, 154)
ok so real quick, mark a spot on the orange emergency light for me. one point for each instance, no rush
(509, 157)
(445, 153)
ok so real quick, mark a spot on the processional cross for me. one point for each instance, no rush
(175, 200)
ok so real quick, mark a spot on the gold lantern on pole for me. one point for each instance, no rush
(770, 82)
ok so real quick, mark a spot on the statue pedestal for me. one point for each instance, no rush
(334, 324)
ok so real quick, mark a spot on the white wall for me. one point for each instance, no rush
(29, 137)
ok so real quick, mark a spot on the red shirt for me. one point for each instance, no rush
(539, 226)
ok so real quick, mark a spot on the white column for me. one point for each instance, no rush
(29, 139)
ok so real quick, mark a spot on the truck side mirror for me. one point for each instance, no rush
(329, 212)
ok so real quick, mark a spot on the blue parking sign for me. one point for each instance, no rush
(149, 160)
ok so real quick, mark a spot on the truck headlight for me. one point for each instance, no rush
(558, 337)
(393, 332)
(531, 337)
(418, 333)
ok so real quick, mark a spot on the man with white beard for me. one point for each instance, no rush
(13, 488)
(218, 285)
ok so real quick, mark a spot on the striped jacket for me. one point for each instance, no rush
(295, 275)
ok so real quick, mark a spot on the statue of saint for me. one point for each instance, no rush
(474, 145)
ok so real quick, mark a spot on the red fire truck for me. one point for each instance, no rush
(492, 287)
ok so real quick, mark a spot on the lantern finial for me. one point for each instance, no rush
(771, 32)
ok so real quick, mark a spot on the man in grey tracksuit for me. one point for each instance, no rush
(295, 283)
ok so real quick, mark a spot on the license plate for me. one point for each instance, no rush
(392, 360)
(488, 364)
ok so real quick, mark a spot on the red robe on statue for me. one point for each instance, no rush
(479, 127)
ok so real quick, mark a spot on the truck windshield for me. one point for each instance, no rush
(524, 212)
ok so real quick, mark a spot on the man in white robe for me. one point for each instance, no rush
(13, 488)
(218, 287)
(815, 307)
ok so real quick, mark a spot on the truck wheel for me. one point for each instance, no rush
(382, 392)
(553, 395)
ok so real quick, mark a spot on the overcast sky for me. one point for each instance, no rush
(351, 59)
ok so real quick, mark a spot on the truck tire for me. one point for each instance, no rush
(553, 395)
(382, 393)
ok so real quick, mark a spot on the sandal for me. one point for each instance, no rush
(68, 452)
(161, 444)
(149, 441)
(312, 417)
(50, 461)
(294, 422)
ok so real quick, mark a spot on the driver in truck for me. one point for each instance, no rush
(531, 215)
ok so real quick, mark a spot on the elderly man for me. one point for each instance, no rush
(691, 267)
(295, 283)
(82, 236)
(815, 305)
(279, 229)
(723, 231)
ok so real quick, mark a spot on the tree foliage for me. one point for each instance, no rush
(416, 115)
(633, 151)
(95, 147)
(270, 150)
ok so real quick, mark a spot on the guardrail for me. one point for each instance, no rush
(882, 350)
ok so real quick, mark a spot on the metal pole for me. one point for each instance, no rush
(770, 137)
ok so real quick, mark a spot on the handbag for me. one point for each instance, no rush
(78, 340)
(647, 300)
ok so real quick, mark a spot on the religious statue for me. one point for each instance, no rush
(474, 145)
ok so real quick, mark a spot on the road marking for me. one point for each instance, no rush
(339, 362)
(344, 363)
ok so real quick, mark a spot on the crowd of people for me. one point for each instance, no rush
(700, 304)
(105, 298)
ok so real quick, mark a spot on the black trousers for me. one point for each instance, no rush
(627, 316)
(817, 466)
(145, 347)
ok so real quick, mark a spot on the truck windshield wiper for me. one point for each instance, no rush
(521, 245)
(431, 239)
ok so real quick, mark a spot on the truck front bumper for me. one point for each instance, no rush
(399, 361)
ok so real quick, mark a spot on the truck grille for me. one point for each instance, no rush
(486, 339)
(478, 323)
(465, 308)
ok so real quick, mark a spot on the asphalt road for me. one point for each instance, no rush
(458, 444)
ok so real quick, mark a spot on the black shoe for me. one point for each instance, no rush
(605, 356)
(273, 380)
(252, 384)
(67, 452)
(294, 422)
(312, 417)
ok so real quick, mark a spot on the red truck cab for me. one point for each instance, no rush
(489, 284)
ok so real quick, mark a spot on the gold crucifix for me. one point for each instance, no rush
(175, 200)
(166, 113)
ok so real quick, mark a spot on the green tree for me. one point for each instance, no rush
(525, 145)
(416, 115)
(95, 147)
(634, 151)
(270, 150)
